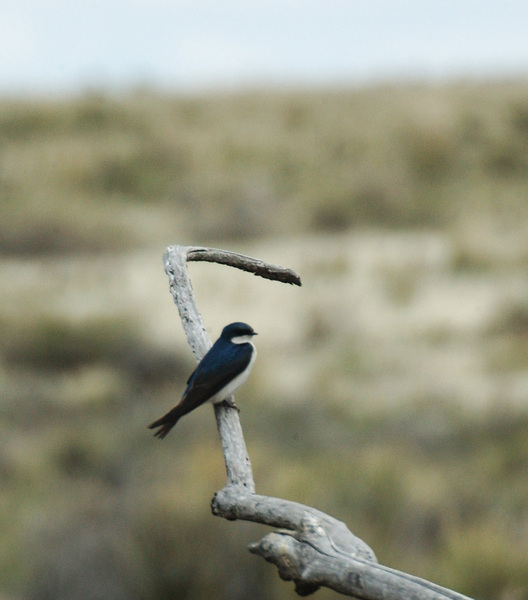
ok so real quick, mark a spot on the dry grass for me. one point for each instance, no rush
(390, 389)
(259, 163)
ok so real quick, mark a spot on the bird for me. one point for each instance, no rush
(224, 368)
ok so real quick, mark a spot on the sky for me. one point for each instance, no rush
(57, 46)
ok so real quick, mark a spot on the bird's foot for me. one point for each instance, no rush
(229, 402)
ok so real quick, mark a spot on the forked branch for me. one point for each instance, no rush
(311, 548)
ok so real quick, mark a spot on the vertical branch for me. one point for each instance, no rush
(175, 264)
(238, 465)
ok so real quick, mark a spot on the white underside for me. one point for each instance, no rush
(233, 385)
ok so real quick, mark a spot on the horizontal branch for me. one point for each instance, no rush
(319, 529)
(245, 263)
(303, 563)
(313, 549)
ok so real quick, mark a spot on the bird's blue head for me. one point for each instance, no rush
(238, 333)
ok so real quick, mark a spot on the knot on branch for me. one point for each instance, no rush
(292, 558)
(311, 528)
(227, 502)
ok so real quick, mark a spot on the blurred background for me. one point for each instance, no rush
(378, 148)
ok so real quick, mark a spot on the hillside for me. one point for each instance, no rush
(390, 390)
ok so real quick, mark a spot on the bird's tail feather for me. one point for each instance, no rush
(165, 424)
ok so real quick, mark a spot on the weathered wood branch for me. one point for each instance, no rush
(245, 263)
(311, 548)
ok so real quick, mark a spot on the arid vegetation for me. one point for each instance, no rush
(390, 391)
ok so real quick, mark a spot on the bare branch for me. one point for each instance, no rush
(328, 534)
(245, 263)
(238, 465)
(299, 561)
(311, 548)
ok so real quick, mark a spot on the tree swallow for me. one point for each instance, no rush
(220, 372)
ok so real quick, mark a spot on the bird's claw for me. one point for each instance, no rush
(230, 403)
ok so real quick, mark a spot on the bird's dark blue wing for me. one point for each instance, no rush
(215, 371)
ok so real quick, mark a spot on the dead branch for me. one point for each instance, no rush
(245, 263)
(311, 548)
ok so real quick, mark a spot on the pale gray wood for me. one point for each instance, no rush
(245, 263)
(311, 548)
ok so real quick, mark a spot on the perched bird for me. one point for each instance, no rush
(220, 372)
